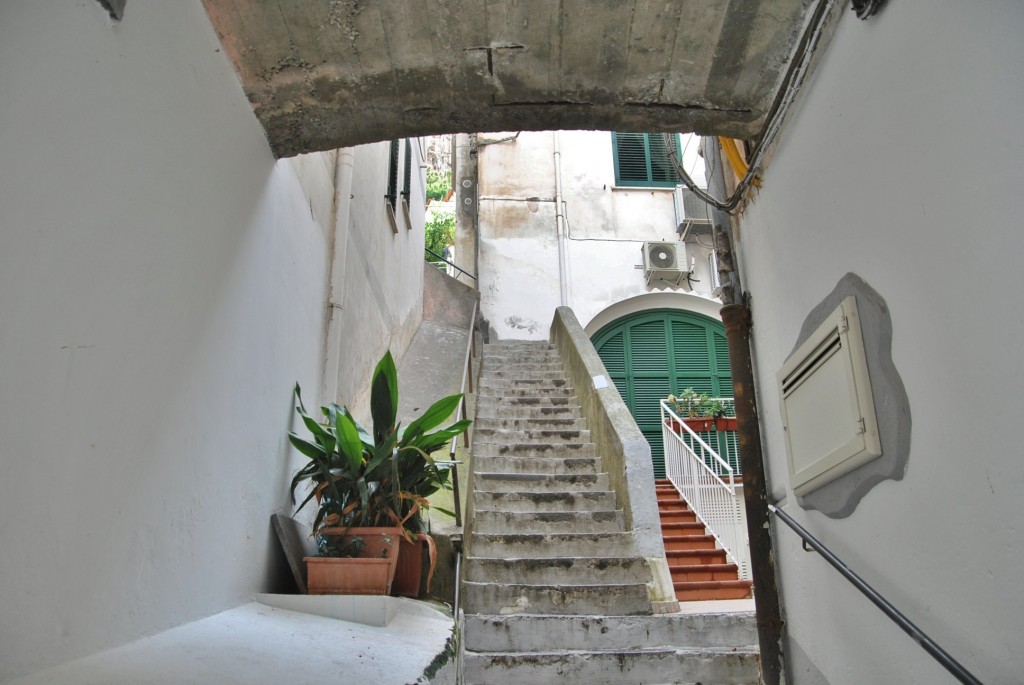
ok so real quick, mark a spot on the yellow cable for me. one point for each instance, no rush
(732, 153)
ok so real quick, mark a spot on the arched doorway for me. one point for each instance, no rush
(653, 353)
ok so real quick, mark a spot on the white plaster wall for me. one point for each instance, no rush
(163, 284)
(606, 229)
(382, 295)
(902, 165)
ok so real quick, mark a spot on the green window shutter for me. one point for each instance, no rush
(641, 160)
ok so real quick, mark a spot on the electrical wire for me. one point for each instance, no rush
(791, 84)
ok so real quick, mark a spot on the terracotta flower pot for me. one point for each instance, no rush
(699, 425)
(347, 576)
(410, 566)
(725, 423)
(371, 573)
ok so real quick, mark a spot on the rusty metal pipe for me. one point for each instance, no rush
(736, 317)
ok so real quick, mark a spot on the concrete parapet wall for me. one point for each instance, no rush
(624, 452)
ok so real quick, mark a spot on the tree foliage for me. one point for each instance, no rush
(440, 232)
(438, 184)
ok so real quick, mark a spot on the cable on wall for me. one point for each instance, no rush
(791, 85)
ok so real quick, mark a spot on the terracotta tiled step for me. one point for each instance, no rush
(678, 517)
(685, 557)
(712, 589)
(683, 542)
(700, 572)
(682, 528)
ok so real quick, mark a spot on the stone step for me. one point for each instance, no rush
(484, 392)
(618, 599)
(614, 666)
(538, 450)
(544, 482)
(505, 347)
(534, 545)
(495, 405)
(527, 411)
(558, 570)
(524, 381)
(507, 352)
(712, 589)
(509, 423)
(539, 465)
(537, 633)
(498, 369)
(526, 501)
(504, 436)
(496, 522)
(519, 361)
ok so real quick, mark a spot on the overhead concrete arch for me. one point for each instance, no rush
(324, 75)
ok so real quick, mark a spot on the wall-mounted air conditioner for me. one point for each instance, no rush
(716, 284)
(691, 212)
(665, 263)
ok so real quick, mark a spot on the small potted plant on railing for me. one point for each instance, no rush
(692, 408)
(370, 488)
(717, 409)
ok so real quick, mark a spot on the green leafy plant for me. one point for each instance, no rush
(439, 233)
(715, 408)
(383, 478)
(438, 184)
(690, 404)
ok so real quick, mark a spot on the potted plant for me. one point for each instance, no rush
(370, 487)
(722, 422)
(692, 408)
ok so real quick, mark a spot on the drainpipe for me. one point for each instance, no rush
(563, 288)
(336, 276)
(736, 317)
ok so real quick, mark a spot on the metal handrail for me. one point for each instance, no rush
(450, 263)
(460, 413)
(711, 495)
(919, 636)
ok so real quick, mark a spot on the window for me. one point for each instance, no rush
(407, 174)
(391, 198)
(392, 195)
(641, 159)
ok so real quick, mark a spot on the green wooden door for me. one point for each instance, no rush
(651, 354)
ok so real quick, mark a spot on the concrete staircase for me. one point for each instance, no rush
(553, 589)
(699, 568)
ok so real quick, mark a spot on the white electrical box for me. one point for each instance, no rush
(827, 407)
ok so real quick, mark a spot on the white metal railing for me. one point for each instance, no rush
(708, 484)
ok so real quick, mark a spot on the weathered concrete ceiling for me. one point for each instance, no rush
(323, 74)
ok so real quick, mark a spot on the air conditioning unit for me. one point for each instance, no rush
(716, 284)
(665, 263)
(691, 212)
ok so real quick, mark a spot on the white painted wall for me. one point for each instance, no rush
(607, 225)
(382, 292)
(902, 165)
(163, 284)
